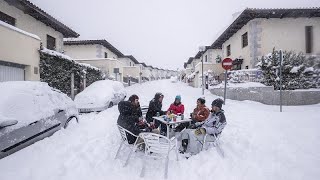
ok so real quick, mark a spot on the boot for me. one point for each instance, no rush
(184, 145)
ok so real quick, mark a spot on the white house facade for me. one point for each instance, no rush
(25, 28)
(257, 31)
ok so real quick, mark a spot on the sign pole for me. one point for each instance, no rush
(227, 65)
(225, 87)
(72, 86)
(202, 77)
(281, 58)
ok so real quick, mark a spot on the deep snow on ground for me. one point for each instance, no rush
(259, 143)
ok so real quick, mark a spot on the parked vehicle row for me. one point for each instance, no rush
(31, 111)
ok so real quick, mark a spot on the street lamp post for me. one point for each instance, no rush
(202, 76)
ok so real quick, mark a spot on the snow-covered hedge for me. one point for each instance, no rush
(298, 71)
(56, 69)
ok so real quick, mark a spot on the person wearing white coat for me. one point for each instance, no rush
(214, 124)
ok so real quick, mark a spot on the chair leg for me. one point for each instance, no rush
(143, 167)
(219, 149)
(166, 167)
(128, 158)
(119, 150)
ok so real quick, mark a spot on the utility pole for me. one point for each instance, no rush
(280, 69)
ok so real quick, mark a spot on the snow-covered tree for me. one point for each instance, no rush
(298, 71)
(56, 71)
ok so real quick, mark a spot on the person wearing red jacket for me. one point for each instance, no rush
(176, 107)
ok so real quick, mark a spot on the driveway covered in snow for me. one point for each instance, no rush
(259, 143)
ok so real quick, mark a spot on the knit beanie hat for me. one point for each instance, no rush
(217, 102)
(201, 100)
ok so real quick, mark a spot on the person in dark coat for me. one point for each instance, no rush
(134, 99)
(155, 107)
(129, 118)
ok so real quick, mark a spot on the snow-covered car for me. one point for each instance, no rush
(173, 79)
(31, 111)
(100, 95)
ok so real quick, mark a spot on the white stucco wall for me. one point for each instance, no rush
(101, 50)
(106, 65)
(81, 51)
(127, 61)
(289, 34)
(266, 34)
(88, 51)
(236, 46)
(132, 71)
(21, 49)
(30, 24)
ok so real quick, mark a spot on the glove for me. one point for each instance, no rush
(152, 125)
(200, 131)
(192, 126)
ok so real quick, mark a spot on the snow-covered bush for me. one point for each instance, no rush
(298, 71)
(56, 71)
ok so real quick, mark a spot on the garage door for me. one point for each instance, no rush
(9, 73)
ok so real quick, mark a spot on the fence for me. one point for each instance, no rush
(267, 95)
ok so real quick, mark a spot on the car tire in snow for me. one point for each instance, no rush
(71, 120)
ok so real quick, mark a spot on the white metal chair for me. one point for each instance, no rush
(212, 138)
(144, 110)
(158, 146)
(124, 132)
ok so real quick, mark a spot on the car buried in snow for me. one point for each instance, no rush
(31, 111)
(99, 96)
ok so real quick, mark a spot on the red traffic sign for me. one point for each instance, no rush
(227, 63)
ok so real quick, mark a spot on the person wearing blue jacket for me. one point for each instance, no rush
(195, 133)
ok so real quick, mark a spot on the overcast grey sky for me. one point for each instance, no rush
(161, 33)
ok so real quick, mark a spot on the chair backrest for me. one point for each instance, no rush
(123, 133)
(144, 110)
(156, 143)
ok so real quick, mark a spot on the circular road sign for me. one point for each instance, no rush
(227, 63)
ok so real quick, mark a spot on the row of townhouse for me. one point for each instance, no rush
(116, 65)
(254, 33)
(25, 29)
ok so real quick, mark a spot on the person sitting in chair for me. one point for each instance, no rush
(213, 125)
(176, 107)
(200, 113)
(130, 117)
(155, 107)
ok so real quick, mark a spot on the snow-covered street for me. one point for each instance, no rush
(259, 143)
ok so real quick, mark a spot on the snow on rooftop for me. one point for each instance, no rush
(19, 30)
(89, 66)
(55, 53)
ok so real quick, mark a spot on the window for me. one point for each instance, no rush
(7, 19)
(309, 39)
(105, 55)
(229, 50)
(245, 40)
(206, 59)
(51, 42)
(36, 70)
(247, 67)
